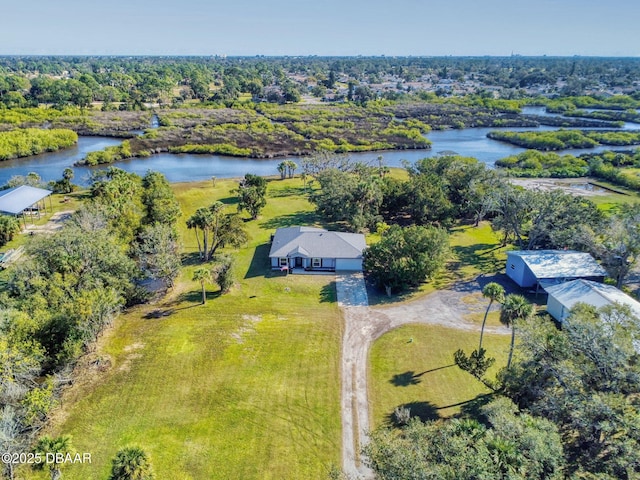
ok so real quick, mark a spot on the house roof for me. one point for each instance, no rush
(313, 242)
(560, 263)
(17, 199)
(592, 293)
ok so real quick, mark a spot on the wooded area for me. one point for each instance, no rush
(565, 405)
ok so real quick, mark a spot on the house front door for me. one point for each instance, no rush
(298, 262)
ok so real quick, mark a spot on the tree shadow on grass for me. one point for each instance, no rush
(162, 313)
(471, 408)
(192, 258)
(480, 255)
(229, 200)
(411, 378)
(260, 266)
(290, 220)
(287, 192)
(193, 298)
(425, 411)
(328, 293)
(379, 297)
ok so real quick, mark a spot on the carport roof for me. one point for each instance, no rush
(17, 199)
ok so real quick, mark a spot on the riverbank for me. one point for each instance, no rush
(266, 131)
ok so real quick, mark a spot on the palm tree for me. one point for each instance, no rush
(202, 275)
(514, 308)
(495, 293)
(207, 219)
(291, 167)
(282, 168)
(131, 463)
(47, 445)
(192, 222)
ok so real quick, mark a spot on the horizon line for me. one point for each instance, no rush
(258, 55)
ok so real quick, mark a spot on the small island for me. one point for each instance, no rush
(32, 141)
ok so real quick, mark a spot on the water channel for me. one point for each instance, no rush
(472, 142)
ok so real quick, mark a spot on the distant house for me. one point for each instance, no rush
(315, 249)
(530, 268)
(564, 296)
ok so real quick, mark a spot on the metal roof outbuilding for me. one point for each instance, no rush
(563, 297)
(528, 267)
(16, 200)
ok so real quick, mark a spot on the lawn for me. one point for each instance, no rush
(474, 251)
(413, 366)
(617, 196)
(246, 386)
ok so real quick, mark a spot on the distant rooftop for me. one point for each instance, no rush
(560, 263)
(17, 199)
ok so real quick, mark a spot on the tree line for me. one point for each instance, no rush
(442, 191)
(614, 166)
(566, 139)
(130, 83)
(72, 285)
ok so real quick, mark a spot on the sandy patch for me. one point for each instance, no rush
(56, 222)
(247, 327)
(133, 346)
(573, 186)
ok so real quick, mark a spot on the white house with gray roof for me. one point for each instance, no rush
(316, 249)
(563, 297)
(528, 268)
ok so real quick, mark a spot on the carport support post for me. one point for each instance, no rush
(50, 204)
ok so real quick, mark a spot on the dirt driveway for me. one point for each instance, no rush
(55, 223)
(363, 325)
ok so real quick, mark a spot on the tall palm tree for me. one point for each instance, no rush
(514, 308)
(202, 275)
(282, 168)
(495, 293)
(291, 167)
(207, 219)
(192, 222)
(131, 463)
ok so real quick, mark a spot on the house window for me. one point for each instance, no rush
(316, 262)
(283, 262)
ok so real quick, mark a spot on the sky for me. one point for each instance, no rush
(320, 27)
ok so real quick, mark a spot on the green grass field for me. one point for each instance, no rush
(246, 386)
(413, 366)
(618, 195)
(421, 373)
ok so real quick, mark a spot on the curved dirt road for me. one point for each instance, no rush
(363, 325)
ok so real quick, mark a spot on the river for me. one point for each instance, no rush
(472, 142)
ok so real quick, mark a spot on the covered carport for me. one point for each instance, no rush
(25, 200)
